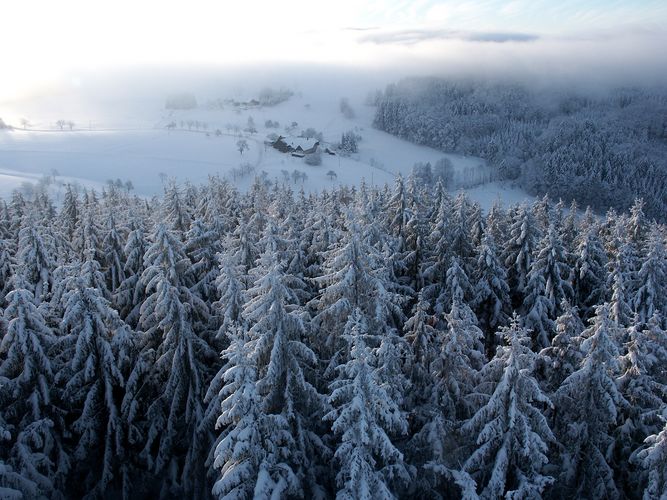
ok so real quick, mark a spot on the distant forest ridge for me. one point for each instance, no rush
(603, 151)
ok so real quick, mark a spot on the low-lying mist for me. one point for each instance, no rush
(589, 63)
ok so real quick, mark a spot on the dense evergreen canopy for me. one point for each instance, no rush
(357, 343)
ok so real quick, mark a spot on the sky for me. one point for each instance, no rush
(46, 41)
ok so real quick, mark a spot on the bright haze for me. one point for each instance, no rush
(49, 44)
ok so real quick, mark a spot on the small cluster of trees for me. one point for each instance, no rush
(244, 170)
(311, 133)
(357, 343)
(190, 124)
(272, 97)
(61, 124)
(250, 126)
(349, 142)
(442, 171)
(119, 184)
(295, 176)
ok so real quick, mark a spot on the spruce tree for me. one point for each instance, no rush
(283, 359)
(363, 418)
(651, 294)
(91, 383)
(491, 300)
(424, 341)
(645, 394)
(69, 212)
(174, 449)
(519, 251)
(587, 404)
(461, 243)
(201, 247)
(436, 266)
(114, 257)
(253, 449)
(7, 265)
(175, 210)
(563, 356)
(512, 433)
(231, 294)
(29, 395)
(132, 291)
(34, 261)
(590, 274)
(457, 288)
(353, 278)
(654, 460)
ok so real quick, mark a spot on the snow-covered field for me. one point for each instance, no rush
(146, 153)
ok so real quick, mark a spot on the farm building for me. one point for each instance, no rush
(296, 145)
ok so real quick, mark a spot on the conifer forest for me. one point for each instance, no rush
(360, 342)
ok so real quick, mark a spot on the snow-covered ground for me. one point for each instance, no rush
(146, 153)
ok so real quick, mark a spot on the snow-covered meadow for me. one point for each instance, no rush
(133, 144)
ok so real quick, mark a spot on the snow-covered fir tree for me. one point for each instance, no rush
(201, 246)
(654, 460)
(563, 356)
(252, 452)
(284, 363)
(34, 261)
(588, 403)
(651, 294)
(91, 383)
(6, 269)
(29, 396)
(644, 392)
(458, 288)
(132, 290)
(353, 279)
(520, 249)
(590, 274)
(180, 374)
(114, 256)
(491, 299)
(363, 418)
(176, 213)
(231, 293)
(512, 433)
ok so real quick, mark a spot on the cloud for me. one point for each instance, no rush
(360, 28)
(416, 36)
(501, 37)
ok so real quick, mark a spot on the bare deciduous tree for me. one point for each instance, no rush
(242, 145)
